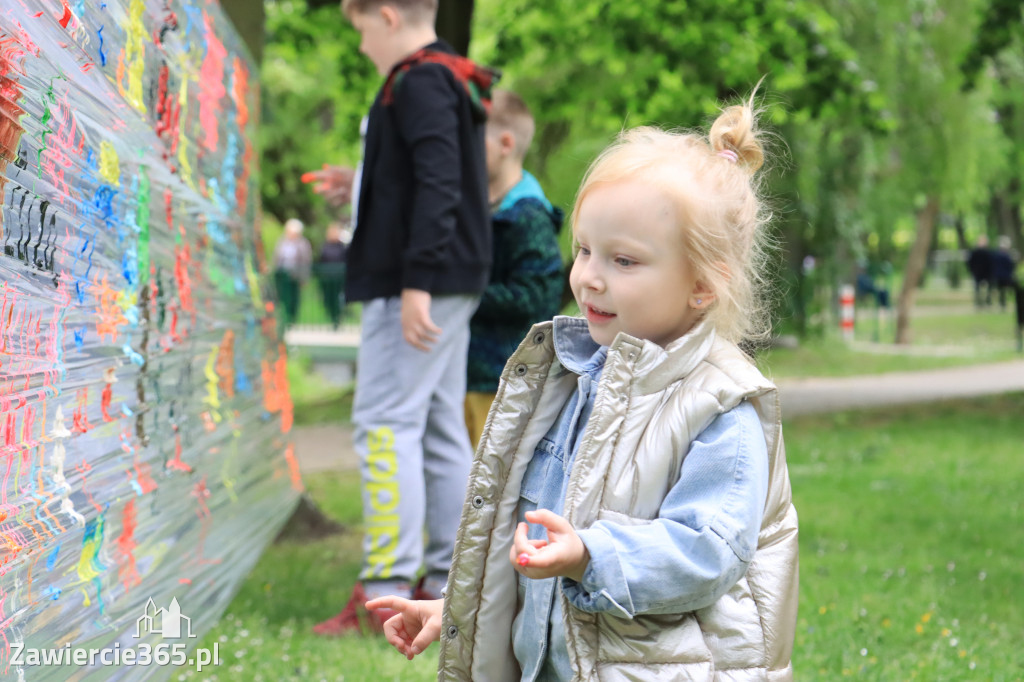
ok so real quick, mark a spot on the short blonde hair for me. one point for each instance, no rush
(418, 10)
(509, 112)
(711, 181)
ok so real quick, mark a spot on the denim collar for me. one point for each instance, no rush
(575, 348)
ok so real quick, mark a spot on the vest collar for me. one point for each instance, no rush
(659, 367)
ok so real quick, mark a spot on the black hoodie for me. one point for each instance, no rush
(423, 218)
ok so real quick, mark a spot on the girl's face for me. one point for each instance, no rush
(631, 273)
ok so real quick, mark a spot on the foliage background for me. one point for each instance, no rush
(893, 123)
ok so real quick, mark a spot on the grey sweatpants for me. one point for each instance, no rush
(410, 435)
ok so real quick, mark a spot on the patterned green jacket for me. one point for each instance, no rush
(526, 281)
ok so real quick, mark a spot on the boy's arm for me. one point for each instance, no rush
(426, 110)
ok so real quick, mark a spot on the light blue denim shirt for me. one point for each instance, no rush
(684, 566)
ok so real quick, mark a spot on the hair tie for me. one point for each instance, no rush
(729, 154)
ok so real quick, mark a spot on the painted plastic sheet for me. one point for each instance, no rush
(144, 409)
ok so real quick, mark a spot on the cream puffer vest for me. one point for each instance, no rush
(651, 404)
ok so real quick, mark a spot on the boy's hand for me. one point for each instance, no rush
(334, 183)
(418, 329)
(417, 624)
(563, 553)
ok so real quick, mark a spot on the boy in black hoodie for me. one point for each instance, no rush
(419, 260)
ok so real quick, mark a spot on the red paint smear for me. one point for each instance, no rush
(168, 209)
(127, 572)
(80, 417)
(182, 260)
(293, 467)
(176, 463)
(211, 84)
(108, 392)
(66, 19)
(239, 91)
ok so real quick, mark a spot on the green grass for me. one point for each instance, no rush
(910, 536)
(910, 532)
(315, 401)
(957, 338)
(265, 633)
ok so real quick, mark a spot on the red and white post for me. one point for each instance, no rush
(846, 299)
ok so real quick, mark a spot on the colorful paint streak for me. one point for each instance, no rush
(145, 415)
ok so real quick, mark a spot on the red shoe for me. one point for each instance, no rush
(421, 593)
(354, 618)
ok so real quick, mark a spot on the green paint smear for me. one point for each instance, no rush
(142, 220)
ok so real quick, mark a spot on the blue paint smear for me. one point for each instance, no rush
(133, 356)
(103, 55)
(51, 560)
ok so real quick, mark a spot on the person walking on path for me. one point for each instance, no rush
(629, 512)
(979, 264)
(293, 259)
(331, 272)
(526, 277)
(1002, 267)
(419, 259)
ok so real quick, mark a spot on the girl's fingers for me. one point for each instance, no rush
(388, 602)
(550, 520)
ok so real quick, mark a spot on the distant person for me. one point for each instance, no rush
(526, 277)
(293, 260)
(629, 514)
(1002, 266)
(419, 260)
(979, 264)
(331, 272)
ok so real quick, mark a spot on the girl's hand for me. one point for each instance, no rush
(414, 627)
(563, 553)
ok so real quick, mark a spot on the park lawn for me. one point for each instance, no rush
(957, 339)
(910, 527)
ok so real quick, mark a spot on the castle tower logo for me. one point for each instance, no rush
(164, 622)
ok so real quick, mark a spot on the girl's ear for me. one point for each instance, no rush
(701, 297)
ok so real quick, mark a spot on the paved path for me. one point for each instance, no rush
(329, 446)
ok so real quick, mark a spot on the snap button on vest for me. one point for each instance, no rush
(520, 370)
(478, 501)
(452, 631)
(538, 338)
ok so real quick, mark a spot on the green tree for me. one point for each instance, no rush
(316, 88)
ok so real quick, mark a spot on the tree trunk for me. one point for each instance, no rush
(454, 23)
(916, 263)
(248, 18)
